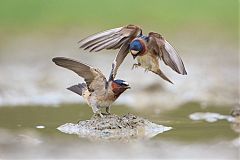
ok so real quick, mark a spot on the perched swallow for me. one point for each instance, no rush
(96, 91)
(147, 49)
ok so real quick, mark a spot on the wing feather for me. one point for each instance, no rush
(98, 36)
(118, 61)
(166, 52)
(100, 41)
(105, 44)
(91, 75)
(119, 44)
(113, 37)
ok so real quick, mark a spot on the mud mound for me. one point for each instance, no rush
(114, 127)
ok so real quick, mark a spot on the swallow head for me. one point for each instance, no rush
(119, 86)
(136, 48)
(122, 83)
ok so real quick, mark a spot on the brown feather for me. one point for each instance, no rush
(106, 44)
(100, 35)
(117, 36)
(157, 44)
(100, 41)
(162, 75)
(87, 72)
(118, 60)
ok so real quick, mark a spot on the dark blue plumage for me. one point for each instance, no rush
(136, 45)
(121, 82)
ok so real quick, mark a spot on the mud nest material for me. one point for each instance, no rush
(114, 127)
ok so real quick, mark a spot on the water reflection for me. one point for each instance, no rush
(21, 138)
(31, 145)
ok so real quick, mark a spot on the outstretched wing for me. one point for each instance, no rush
(110, 39)
(158, 45)
(118, 60)
(92, 76)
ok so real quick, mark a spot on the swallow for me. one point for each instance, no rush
(96, 91)
(148, 50)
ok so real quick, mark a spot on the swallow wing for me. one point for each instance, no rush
(158, 45)
(110, 39)
(118, 61)
(92, 76)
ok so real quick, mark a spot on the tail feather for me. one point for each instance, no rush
(163, 76)
(78, 89)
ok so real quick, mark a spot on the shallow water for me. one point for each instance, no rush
(30, 132)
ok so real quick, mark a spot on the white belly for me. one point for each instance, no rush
(104, 104)
(100, 101)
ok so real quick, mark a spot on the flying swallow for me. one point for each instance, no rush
(148, 50)
(96, 91)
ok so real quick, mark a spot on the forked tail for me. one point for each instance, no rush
(163, 76)
(78, 89)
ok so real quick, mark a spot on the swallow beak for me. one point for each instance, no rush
(128, 87)
(134, 53)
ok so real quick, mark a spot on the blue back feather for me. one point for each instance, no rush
(120, 82)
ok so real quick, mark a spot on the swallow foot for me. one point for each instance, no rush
(108, 111)
(106, 114)
(136, 65)
(98, 114)
(146, 70)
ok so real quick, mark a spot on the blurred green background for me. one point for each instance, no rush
(168, 15)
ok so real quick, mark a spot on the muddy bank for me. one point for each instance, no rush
(113, 127)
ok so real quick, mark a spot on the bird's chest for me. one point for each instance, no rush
(103, 101)
(148, 61)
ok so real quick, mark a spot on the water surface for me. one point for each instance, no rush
(30, 131)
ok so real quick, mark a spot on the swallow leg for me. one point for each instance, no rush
(97, 111)
(135, 65)
(146, 70)
(108, 110)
